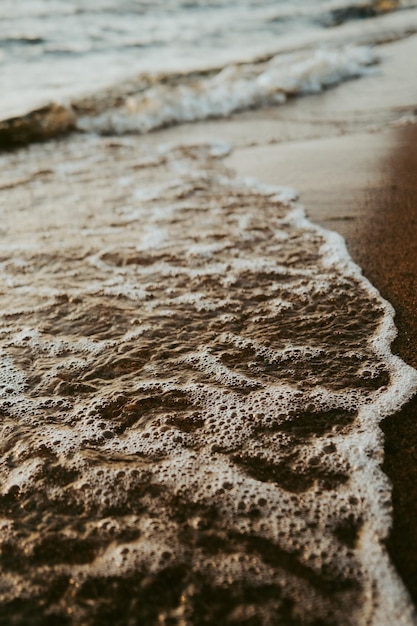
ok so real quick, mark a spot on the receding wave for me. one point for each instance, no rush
(86, 61)
(191, 384)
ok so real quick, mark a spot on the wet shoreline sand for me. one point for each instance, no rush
(381, 238)
(385, 247)
(360, 181)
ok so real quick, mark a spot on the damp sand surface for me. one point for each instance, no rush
(385, 247)
(379, 223)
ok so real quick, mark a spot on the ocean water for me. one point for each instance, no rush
(59, 51)
(192, 373)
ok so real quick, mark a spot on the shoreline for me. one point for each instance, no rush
(381, 240)
(362, 185)
(380, 237)
(353, 164)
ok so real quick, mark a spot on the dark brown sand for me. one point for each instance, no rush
(384, 244)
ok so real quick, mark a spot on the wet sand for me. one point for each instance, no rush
(385, 246)
(378, 219)
(379, 223)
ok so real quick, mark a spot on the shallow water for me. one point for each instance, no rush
(192, 381)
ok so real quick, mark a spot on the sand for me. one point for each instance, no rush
(370, 179)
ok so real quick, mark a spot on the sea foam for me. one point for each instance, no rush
(235, 88)
(191, 431)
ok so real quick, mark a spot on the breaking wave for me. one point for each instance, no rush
(235, 88)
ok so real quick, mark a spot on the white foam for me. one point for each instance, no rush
(235, 88)
(12, 379)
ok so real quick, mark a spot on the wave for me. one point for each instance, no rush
(57, 62)
(150, 102)
(235, 88)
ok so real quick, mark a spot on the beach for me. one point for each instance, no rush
(208, 413)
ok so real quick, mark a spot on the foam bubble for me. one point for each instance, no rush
(12, 380)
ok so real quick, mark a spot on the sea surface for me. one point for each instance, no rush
(61, 51)
(192, 374)
(57, 49)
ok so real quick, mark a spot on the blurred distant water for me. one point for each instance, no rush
(55, 49)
